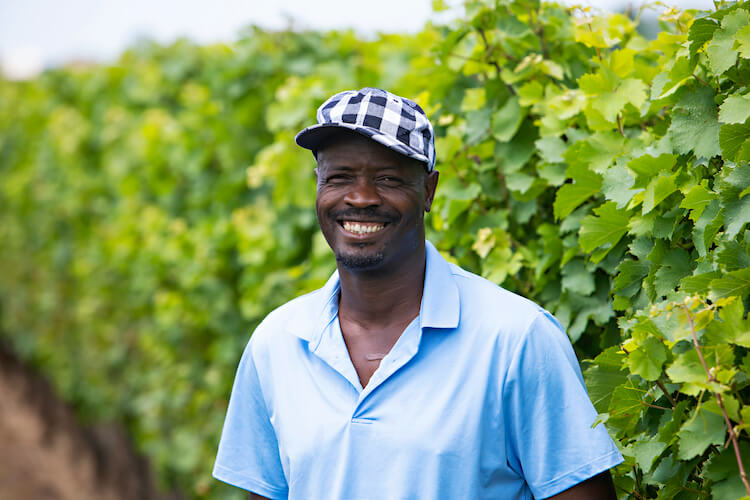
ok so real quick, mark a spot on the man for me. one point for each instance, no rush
(404, 376)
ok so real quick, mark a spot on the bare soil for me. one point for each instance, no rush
(45, 454)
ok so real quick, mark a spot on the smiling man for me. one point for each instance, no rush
(404, 376)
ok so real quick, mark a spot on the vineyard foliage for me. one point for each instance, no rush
(153, 211)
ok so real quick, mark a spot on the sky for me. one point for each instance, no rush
(35, 34)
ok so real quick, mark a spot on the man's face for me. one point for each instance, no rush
(370, 203)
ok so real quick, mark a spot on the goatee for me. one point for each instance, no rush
(360, 262)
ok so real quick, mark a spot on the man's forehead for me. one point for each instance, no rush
(346, 149)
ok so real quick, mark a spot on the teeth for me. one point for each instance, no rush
(363, 227)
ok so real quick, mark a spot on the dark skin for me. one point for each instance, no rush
(370, 205)
(362, 182)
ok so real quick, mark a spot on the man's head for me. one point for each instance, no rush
(374, 184)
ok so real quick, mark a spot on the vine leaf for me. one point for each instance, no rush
(695, 124)
(735, 109)
(700, 431)
(585, 184)
(701, 31)
(648, 359)
(603, 229)
(720, 54)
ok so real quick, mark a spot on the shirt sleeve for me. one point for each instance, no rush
(248, 455)
(549, 414)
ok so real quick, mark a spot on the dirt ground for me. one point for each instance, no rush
(46, 455)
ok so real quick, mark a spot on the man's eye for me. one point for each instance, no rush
(389, 180)
(338, 178)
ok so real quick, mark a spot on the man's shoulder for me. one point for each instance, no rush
(490, 296)
(495, 307)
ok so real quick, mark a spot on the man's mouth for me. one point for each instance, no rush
(361, 227)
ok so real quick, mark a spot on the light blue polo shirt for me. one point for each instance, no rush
(480, 398)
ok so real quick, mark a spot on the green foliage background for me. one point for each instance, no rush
(152, 211)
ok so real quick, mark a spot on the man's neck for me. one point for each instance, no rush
(376, 300)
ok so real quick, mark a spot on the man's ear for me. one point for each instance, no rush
(430, 185)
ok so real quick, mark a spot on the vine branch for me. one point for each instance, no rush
(720, 401)
(491, 61)
(666, 393)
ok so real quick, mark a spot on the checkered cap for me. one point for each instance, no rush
(393, 121)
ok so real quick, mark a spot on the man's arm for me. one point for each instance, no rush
(253, 496)
(599, 487)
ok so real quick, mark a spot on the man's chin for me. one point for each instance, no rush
(360, 262)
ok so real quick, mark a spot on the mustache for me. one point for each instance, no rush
(364, 213)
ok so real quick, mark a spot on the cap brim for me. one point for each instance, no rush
(316, 135)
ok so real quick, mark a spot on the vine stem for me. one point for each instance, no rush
(637, 483)
(538, 31)
(666, 393)
(705, 83)
(498, 69)
(720, 401)
(654, 406)
(598, 52)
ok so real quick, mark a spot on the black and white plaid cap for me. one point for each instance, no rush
(393, 121)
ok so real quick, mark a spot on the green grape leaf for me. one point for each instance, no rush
(530, 93)
(695, 124)
(604, 376)
(603, 229)
(696, 199)
(735, 109)
(701, 430)
(585, 184)
(672, 421)
(629, 278)
(513, 155)
(616, 185)
(720, 54)
(553, 173)
(646, 452)
(646, 167)
(742, 42)
(477, 125)
(706, 227)
(736, 205)
(519, 181)
(607, 97)
(597, 152)
(730, 488)
(576, 278)
(723, 465)
(648, 359)
(506, 120)
(658, 190)
(735, 330)
(674, 266)
(551, 149)
(698, 283)
(731, 255)
(701, 31)
(687, 367)
(733, 139)
(667, 474)
(626, 405)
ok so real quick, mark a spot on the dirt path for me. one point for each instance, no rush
(46, 455)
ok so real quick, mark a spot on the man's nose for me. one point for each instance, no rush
(363, 193)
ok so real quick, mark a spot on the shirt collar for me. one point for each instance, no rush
(440, 301)
(440, 307)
